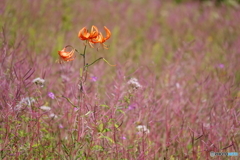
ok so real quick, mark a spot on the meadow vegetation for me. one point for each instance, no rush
(173, 94)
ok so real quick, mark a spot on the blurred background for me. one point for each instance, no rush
(144, 32)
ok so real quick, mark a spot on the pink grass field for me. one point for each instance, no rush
(174, 93)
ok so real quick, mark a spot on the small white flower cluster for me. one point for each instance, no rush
(25, 102)
(52, 115)
(143, 129)
(39, 81)
(47, 109)
(133, 82)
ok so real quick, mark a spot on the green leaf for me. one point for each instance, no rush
(106, 130)
(97, 148)
(100, 127)
(81, 71)
(104, 105)
(108, 138)
(121, 111)
(22, 133)
(89, 112)
(36, 145)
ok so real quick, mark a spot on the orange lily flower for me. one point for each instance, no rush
(85, 35)
(101, 39)
(65, 55)
(94, 36)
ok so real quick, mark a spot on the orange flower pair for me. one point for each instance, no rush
(94, 36)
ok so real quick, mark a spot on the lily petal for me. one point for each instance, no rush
(108, 33)
(98, 39)
(83, 34)
(94, 32)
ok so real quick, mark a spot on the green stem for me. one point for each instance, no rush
(69, 101)
(79, 53)
(84, 57)
(93, 62)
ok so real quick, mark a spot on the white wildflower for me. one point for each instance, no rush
(143, 129)
(134, 83)
(45, 108)
(65, 78)
(206, 125)
(204, 100)
(177, 85)
(25, 102)
(39, 81)
(52, 115)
